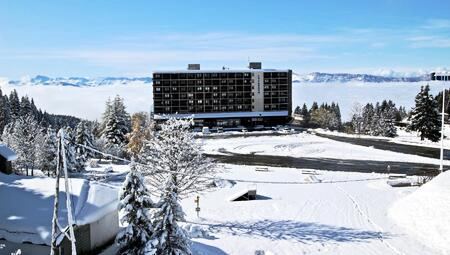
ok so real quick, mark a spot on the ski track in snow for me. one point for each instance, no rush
(367, 218)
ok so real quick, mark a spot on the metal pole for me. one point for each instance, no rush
(441, 166)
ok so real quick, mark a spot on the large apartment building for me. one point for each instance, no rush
(226, 98)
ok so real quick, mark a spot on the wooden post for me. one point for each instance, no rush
(68, 194)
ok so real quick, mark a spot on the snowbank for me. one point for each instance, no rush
(426, 213)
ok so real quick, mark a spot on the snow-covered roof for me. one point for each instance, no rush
(7, 153)
(223, 71)
(27, 214)
(223, 115)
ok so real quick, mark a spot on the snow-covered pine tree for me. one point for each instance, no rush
(175, 149)
(116, 126)
(306, 115)
(425, 116)
(387, 124)
(21, 136)
(83, 137)
(25, 107)
(71, 161)
(4, 111)
(134, 206)
(47, 151)
(168, 235)
(367, 116)
(14, 104)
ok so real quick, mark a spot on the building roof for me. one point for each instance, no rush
(223, 71)
(223, 115)
(7, 153)
(26, 216)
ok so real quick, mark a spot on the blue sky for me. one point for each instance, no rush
(132, 38)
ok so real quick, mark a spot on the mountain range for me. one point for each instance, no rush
(315, 77)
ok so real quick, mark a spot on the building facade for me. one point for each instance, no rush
(224, 97)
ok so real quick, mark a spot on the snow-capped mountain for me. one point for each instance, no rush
(346, 77)
(79, 81)
(315, 77)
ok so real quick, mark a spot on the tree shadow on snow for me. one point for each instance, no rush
(204, 249)
(297, 231)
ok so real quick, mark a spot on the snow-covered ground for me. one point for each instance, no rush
(342, 218)
(316, 218)
(403, 137)
(425, 213)
(78, 101)
(306, 145)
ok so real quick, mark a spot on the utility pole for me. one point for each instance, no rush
(441, 166)
(442, 77)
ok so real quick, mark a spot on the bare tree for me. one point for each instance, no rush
(174, 153)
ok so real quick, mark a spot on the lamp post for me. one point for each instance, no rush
(441, 77)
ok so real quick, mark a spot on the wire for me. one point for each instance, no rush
(235, 180)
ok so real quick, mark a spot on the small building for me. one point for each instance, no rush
(26, 217)
(6, 156)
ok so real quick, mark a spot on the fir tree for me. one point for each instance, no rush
(425, 116)
(306, 115)
(69, 142)
(171, 239)
(14, 104)
(4, 111)
(367, 118)
(47, 153)
(116, 125)
(134, 206)
(83, 137)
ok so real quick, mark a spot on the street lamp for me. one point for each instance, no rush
(441, 77)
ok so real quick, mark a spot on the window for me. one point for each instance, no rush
(167, 95)
(199, 101)
(158, 89)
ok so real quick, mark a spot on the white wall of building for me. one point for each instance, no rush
(257, 92)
